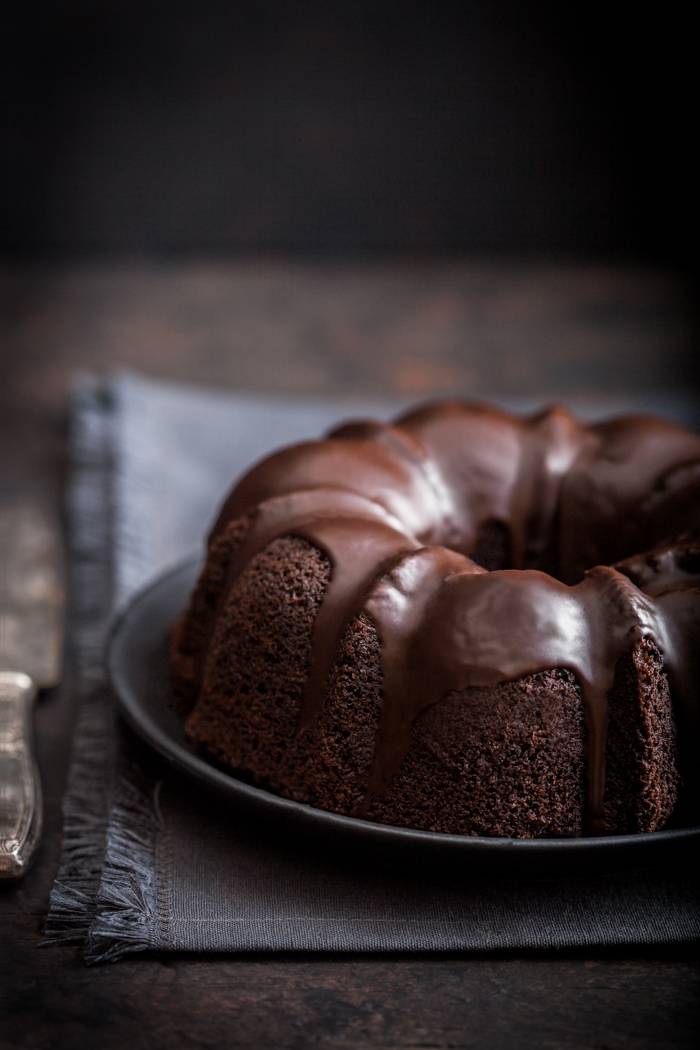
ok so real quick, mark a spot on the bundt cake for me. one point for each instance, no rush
(442, 623)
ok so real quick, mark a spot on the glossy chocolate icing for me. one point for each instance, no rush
(398, 508)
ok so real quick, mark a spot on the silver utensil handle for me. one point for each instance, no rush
(20, 788)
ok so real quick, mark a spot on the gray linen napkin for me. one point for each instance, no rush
(150, 860)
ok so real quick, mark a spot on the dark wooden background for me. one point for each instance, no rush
(477, 329)
(350, 126)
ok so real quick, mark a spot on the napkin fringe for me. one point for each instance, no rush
(127, 896)
(85, 807)
(91, 775)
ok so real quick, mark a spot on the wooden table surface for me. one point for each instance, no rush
(419, 328)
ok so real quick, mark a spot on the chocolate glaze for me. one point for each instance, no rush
(468, 628)
(398, 508)
(670, 575)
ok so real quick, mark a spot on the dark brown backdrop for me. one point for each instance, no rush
(349, 126)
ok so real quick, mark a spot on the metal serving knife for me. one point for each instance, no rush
(31, 634)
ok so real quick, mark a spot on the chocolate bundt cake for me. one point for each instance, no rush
(442, 623)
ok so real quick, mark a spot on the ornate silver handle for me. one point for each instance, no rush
(20, 788)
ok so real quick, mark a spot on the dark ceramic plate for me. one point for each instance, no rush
(137, 660)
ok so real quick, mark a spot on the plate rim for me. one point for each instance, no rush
(188, 761)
